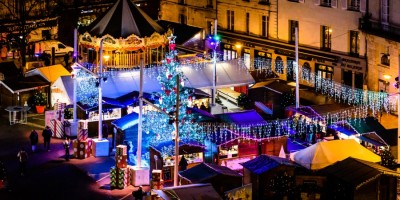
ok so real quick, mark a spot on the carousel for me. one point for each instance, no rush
(128, 35)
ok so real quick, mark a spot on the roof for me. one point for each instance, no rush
(123, 82)
(203, 172)
(9, 70)
(122, 20)
(192, 192)
(366, 125)
(244, 117)
(357, 172)
(24, 83)
(264, 163)
(50, 73)
(323, 154)
(183, 32)
(126, 121)
(277, 85)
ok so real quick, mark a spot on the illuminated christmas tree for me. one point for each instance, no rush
(160, 123)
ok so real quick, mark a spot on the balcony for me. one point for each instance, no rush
(376, 28)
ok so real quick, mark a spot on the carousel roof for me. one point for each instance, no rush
(122, 20)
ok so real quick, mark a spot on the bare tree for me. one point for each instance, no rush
(19, 12)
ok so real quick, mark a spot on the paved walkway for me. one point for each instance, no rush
(49, 176)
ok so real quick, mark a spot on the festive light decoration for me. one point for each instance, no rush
(160, 123)
(87, 92)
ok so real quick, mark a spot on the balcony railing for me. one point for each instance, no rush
(377, 28)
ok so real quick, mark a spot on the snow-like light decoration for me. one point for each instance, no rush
(87, 91)
(160, 123)
(294, 126)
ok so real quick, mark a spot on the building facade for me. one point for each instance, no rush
(198, 13)
(263, 33)
(381, 24)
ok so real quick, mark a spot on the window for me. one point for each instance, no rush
(385, 59)
(290, 70)
(327, 3)
(353, 5)
(306, 71)
(279, 65)
(181, 2)
(292, 32)
(264, 26)
(229, 52)
(182, 19)
(263, 2)
(247, 23)
(326, 37)
(230, 19)
(210, 3)
(324, 72)
(354, 43)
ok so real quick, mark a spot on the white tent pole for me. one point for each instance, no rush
(139, 141)
(75, 78)
(100, 135)
(214, 90)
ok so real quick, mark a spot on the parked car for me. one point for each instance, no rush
(47, 45)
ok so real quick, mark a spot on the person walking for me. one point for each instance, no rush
(23, 159)
(66, 60)
(139, 193)
(34, 137)
(183, 163)
(47, 133)
(66, 148)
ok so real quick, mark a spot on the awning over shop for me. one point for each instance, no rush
(24, 84)
(323, 154)
(50, 73)
(357, 172)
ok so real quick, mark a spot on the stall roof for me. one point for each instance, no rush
(357, 172)
(50, 73)
(366, 125)
(123, 19)
(263, 163)
(120, 83)
(192, 192)
(323, 154)
(244, 117)
(205, 171)
(24, 84)
(126, 121)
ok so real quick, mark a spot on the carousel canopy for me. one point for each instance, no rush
(323, 154)
(122, 20)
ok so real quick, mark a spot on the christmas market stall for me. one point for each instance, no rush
(192, 191)
(221, 178)
(270, 176)
(353, 178)
(128, 35)
(235, 139)
(323, 154)
(191, 150)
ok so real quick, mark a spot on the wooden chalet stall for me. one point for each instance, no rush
(191, 150)
(235, 148)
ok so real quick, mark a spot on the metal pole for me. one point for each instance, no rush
(398, 117)
(176, 133)
(139, 141)
(75, 78)
(214, 90)
(100, 135)
(297, 67)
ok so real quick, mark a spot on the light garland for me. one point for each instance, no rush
(87, 91)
